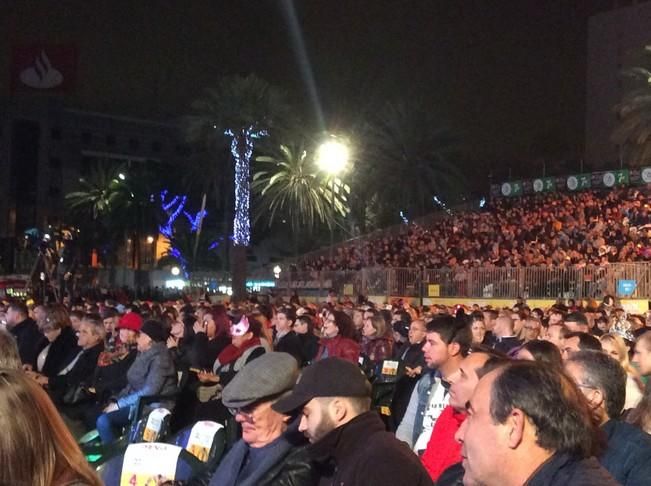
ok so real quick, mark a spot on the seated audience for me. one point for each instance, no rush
(579, 341)
(59, 346)
(9, 353)
(285, 338)
(615, 346)
(528, 424)
(349, 442)
(543, 352)
(337, 338)
(304, 328)
(447, 342)
(36, 448)
(152, 373)
(602, 380)
(25, 330)
(271, 450)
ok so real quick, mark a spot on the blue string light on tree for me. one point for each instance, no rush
(242, 151)
(173, 208)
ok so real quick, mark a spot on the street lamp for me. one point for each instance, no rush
(277, 271)
(332, 157)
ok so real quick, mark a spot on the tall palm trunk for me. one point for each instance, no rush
(242, 150)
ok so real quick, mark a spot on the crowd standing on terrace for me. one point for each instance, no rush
(559, 230)
(337, 392)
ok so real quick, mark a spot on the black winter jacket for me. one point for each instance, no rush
(363, 453)
(63, 350)
(28, 338)
(292, 465)
(81, 372)
(290, 343)
(563, 470)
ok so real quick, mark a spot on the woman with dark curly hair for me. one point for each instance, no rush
(337, 338)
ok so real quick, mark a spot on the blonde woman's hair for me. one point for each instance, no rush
(9, 357)
(36, 447)
(622, 351)
(379, 324)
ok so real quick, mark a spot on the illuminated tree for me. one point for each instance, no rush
(242, 109)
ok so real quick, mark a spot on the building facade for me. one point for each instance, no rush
(45, 147)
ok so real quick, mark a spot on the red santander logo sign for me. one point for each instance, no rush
(44, 67)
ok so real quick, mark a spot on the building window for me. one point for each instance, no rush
(86, 138)
(134, 144)
(55, 133)
(110, 140)
(156, 146)
(55, 163)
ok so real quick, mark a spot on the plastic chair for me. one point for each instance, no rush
(97, 453)
(144, 462)
(137, 431)
(205, 441)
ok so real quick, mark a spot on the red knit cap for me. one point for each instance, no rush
(132, 321)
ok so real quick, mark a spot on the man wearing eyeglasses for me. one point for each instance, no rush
(271, 450)
(602, 380)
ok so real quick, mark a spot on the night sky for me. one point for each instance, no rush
(508, 76)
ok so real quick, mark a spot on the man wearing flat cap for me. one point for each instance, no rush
(271, 451)
(349, 442)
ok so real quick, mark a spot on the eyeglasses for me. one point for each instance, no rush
(246, 412)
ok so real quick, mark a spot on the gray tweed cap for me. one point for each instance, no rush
(269, 375)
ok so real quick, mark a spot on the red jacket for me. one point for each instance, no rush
(339, 347)
(442, 449)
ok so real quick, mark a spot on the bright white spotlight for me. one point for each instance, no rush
(175, 271)
(332, 156)
(150, 239)
(121, 176)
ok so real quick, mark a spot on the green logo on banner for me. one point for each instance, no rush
(622, 177)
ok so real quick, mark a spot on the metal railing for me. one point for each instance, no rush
(528, 282)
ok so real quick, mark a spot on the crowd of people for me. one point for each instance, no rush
(555, 229)
(339, 392)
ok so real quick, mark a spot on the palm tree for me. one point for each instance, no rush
(407, 160)
(101, 192)
(118, 202)
(290, 186)
(633, 132)
(243, 109)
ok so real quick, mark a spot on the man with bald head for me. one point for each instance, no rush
(505, 339)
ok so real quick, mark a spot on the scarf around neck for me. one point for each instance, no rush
(230, 353)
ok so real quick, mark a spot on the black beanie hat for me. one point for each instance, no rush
(154, 330)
